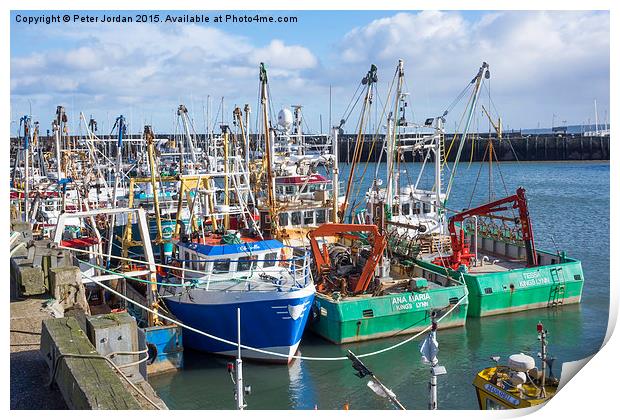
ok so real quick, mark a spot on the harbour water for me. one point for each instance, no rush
(569, 207)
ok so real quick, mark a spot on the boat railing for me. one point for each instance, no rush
(298, 267)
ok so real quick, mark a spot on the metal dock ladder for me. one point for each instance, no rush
(558, 287)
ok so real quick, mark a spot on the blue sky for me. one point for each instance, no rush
(542, 64)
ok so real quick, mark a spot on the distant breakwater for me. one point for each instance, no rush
(512, 147)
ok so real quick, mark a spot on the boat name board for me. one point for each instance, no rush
(533, 278)
(501, 394)
(403, 302)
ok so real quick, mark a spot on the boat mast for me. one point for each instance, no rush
(57, 127)
(298, 133)
(498, 130)
(149, 137)
(185, 119)
(392, 124)
(477, 81)
(244, 137)
(267, 161)
(247, 111)
(120, 123)
(335, 172)
(595, 119)
(26, 121)
(438, 166)
(225, 133)
(369, 80)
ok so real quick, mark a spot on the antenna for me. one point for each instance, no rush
(330, 107)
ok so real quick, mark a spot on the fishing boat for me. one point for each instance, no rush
(492, 248)
(361, 296)
(366, 289)
(221, 273)
(519, 383)
(225, 263)
(504, 271)
(410, 211)
(295, 175)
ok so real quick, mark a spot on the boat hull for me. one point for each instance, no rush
(520, 289)
(270, 321)
(364, 318)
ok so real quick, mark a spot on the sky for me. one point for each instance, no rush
(547, 67)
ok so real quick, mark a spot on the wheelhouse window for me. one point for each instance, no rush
(416, 208)
(283, 219)
(296, 218)
(221, 266)
(320, 216)
(308, 218)
(270, 260)
(245, 264)
(406, 209)
(426, 208)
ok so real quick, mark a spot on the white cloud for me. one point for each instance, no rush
(541, 63)
(151, 67)
(403, 34)
(277, 54)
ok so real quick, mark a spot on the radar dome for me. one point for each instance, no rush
(285, 118)
(521, 362)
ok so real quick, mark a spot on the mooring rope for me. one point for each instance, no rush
(272, 353)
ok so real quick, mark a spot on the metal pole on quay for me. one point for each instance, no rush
(239, 390)
(429, 350)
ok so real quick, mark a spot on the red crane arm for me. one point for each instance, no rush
(460, 253)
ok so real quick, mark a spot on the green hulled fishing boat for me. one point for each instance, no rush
(366, 289)
(403, 309)
(505, 272)
(505, 285)
(362, 295)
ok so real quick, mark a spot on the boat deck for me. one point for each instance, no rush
(501, 265)
(496, 263)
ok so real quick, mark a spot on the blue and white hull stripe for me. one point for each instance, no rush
(270, 320)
